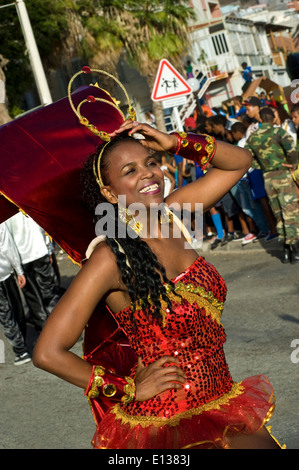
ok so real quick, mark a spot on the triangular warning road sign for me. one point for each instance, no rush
(169, 83)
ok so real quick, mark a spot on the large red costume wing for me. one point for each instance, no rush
(7, 209)
(42, 155)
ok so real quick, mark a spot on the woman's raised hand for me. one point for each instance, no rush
(152, 138)
(163, 374)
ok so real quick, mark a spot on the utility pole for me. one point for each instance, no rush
(36, 63)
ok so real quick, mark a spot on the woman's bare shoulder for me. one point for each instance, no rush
(103, 255)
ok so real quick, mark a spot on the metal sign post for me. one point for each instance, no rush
(37, 66)
(178, 119)
(174, 103)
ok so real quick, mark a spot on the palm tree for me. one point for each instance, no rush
(145, 32)
(51, 31)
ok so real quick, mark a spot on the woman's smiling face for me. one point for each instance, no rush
(133, 172)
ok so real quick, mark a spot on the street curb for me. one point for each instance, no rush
(237, 247)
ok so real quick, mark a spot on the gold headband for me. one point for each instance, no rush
(96, 166)
(84, 121)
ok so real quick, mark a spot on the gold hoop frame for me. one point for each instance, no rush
(91, 99)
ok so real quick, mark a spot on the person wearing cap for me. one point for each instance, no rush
(274, 151)
(190, 124)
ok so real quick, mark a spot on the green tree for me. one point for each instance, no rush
(51, 29)
(144, 31)
(98, 31)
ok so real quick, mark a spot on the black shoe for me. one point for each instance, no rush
(238, 236)
(22, 359)
(216, 242)
(228, 237)
(224, 240)
(286, 256)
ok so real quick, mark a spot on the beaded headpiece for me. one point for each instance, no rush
(84, 121)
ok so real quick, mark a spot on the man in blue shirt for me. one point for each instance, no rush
(247, 75)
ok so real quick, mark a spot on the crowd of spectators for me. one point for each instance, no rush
(248, 212)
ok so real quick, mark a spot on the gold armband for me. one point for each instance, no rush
(110, 385)
(197, 147)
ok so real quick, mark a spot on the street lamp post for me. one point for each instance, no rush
(36, 63)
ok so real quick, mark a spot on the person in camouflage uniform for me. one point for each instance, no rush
(274, 152)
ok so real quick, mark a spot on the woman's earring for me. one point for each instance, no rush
(166, 215)
(128, 219)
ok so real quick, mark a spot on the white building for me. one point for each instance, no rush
(220, 44)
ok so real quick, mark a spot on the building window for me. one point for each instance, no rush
(220, 44)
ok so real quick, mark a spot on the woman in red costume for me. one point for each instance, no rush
(167, 300)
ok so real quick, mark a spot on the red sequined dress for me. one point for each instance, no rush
(211, 406)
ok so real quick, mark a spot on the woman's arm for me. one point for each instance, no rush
(70, 316)
(68, 320)
(229, 162)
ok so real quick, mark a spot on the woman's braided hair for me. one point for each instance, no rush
(143, 275)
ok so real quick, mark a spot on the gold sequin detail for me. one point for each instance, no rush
(186, 291)
(97, 382)
(197, 146)
(192, 297)
(210, 149)
(184, 143)
(183, 135)
(98, 370)
(109, 390)
(204, 160)
(145, 421)
(192, 294)
(129, 389)
(210, 139)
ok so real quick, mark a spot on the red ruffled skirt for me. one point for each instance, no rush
(245, 409)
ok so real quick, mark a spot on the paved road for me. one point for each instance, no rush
(261, 318)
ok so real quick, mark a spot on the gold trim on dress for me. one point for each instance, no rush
(274, 438)
(193, 294)
(145, 421)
